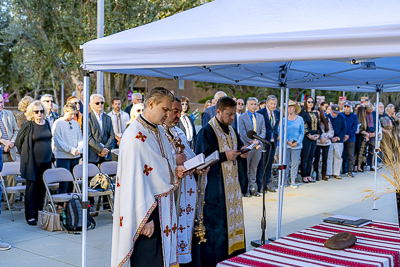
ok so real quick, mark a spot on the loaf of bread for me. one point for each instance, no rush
(341, 241)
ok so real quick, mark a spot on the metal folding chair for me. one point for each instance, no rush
(11, 168)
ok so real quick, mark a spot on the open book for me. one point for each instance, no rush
(347, 220)
(247, 149)
(210, 160)
(195, 162)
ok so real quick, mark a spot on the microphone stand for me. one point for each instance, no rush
(265, 157)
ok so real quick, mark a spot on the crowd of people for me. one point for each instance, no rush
(159, 214)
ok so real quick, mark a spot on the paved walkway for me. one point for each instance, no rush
(303, 207)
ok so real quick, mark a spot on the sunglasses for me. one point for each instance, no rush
(70, 125)
(99, 103)
(139, 110)
(37, 111)
(310, 102)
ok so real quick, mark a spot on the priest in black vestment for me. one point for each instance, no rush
(226, 182)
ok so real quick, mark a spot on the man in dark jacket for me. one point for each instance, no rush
(336, 148)
(101, 133)
(271, 119)
(210, 112)
(349, 138)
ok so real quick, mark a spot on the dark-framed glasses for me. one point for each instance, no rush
(98, 103)
(37, 111)
(139, 110)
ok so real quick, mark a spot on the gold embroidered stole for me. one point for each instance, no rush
(233, 194)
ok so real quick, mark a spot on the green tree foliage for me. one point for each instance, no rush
(42, 39)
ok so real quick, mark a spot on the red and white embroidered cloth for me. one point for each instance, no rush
(378, 244)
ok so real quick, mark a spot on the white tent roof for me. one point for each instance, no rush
(248, 41)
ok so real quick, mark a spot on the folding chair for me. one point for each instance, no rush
(11, 168)
(57, 175)
(92, 171)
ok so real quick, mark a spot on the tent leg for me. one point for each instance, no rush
(85, 166)
(376, 146)
(282, 160)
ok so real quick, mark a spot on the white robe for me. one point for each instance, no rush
(145, 178)
(187, 203)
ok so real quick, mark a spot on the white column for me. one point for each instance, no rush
(85, 163)
(376, 146)
(100, 34)
(282, 160)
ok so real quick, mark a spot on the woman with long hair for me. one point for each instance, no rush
(362, 138)
(312, 132)
(186, 123)
(323, 144)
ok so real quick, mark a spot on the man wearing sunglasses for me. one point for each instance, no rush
(101, 133)
(47, 101)
(239, 108)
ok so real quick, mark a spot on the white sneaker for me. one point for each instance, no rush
(4, 246)
(294, 185)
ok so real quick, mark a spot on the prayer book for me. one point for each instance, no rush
(210, 160)
(247, 149)
(195, 162)
(347, 220)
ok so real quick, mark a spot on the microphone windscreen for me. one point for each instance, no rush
(251, 133)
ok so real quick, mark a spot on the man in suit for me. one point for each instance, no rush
(210, 112)
(47, 101)
(8, 134)
(101, 133)
(252, 121)
(271, 118)
(239, 108)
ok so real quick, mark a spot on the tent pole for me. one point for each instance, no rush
(283, 149)
(85, 202)
(376, 144)
(280, 159)
(100, 34)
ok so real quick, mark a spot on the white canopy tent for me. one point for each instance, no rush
(329, 45)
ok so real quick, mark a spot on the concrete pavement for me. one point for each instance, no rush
(302, 208)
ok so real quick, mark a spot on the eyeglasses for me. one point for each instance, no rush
(139, 110)
(47, 101)
(310, 102)
(37, 111)
(99, 103)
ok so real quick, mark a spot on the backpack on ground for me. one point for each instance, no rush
(73, 215)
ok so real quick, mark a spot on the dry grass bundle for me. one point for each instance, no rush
(391, 160)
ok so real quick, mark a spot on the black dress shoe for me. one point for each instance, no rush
(31, 222)
(256, 194)
(247, 194)
(372, 169)
(269, 189)
(350, 174)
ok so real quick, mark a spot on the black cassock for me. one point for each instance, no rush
(215, 219)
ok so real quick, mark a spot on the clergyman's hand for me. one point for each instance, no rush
(148, 229)
(231, 154)
(180, 158)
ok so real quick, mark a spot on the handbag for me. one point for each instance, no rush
(100, 182)
(49, 220)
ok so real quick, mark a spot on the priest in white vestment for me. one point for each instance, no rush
(145, 226)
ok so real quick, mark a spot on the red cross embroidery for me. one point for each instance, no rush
(174, 228)
(147, 170)
(190, 192)
(117, 181)
(141, 136)
(181, 228)
(189, 209)
(167, 231)
(181, 212)
(120, 220)
(182, 245)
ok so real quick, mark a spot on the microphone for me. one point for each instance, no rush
(253, 135)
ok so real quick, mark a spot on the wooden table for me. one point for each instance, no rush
(378, 244)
